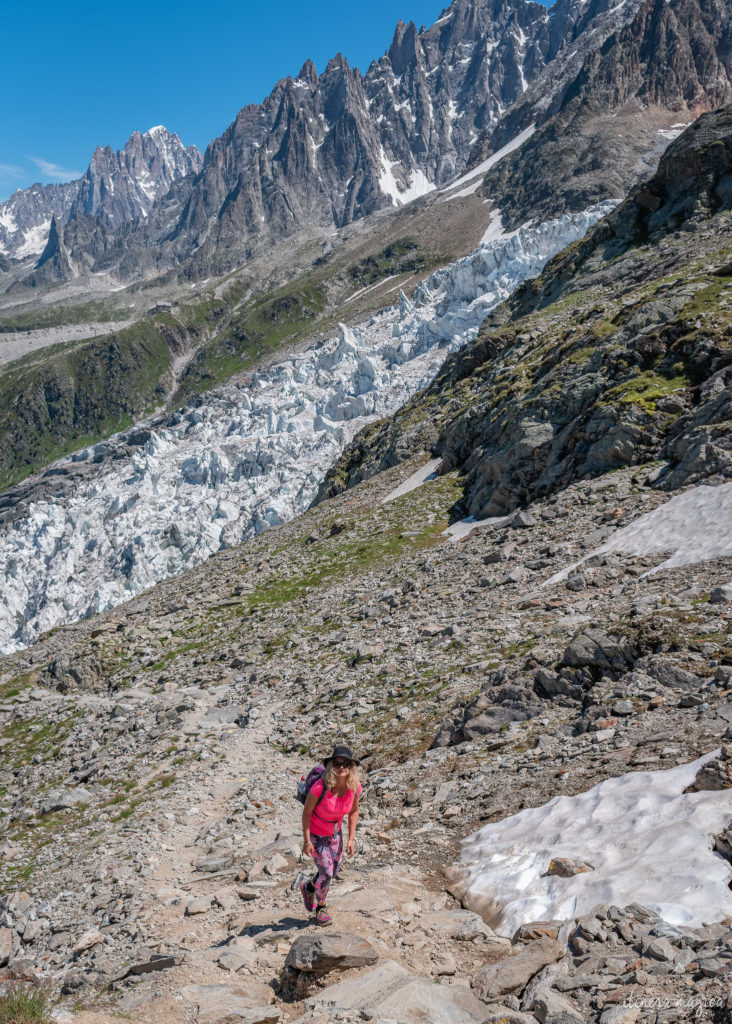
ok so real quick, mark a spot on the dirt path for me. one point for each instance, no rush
(381, 898)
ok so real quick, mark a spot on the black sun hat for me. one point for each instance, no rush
(343, 752)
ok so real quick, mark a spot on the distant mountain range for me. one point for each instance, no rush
(116, 188)
(598, 89)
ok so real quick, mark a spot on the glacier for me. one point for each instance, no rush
(254, 454)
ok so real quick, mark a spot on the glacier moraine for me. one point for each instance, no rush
(255, 453)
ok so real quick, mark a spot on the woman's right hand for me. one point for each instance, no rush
(308, 849)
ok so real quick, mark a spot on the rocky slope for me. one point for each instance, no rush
(619, 352)
(150, 835)
(117, 187)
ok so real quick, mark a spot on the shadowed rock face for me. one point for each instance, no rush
(602, 361)
(601, 127)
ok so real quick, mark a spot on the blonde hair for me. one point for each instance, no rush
(354, 777)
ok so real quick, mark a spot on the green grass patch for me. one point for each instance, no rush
(645, 390)
(260, 327)
(60, 401)
(23, 1003)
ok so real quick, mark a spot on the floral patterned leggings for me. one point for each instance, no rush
(327, 854)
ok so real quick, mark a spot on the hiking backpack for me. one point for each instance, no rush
(306, 784)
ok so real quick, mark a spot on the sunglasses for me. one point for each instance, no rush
(339, 765)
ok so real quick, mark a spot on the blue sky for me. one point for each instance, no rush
(77, 75)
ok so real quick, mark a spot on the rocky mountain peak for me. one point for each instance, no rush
(308, 73)
(120, 186)
(55, 258)
(404, 48)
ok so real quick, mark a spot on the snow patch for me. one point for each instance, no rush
(419, 184)
(648, 841)
(494, 230)
(673, 132)
(486, 165)
(7, 220)
(34, 240)
(695, 526)
(464, 527)
(467, 191)
(424, 473)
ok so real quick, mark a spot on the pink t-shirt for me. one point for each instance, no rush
(331, 810)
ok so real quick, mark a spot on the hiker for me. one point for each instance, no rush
(329, 800)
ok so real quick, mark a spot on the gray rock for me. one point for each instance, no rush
(6, 945)
(215, 862)
(64, 799)
(551, 684)
(334, 951)
(566, 867)
(620, 1015)
(514, 973)
(593, 648)
(390, 993)
(721, 594)
(32, 931)
(225, 1004)
(522, 520)
(198, 905)
(229, 715)
(461, 925)
(552, 1008)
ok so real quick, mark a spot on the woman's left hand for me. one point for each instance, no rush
(349, 848)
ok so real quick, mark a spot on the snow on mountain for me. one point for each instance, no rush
(255, 453)
(119, 186)
(646, 839)
(25, 217)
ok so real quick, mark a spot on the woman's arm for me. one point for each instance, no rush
(352, 822)
(310, 802)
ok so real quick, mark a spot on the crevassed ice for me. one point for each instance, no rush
(254, 454)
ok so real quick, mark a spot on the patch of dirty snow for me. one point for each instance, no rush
(426, 472)
(694, 526)
(647, 840)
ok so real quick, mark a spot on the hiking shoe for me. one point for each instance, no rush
(322, 917)
(308, 896)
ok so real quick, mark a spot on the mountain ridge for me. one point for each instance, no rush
(117, 187)
(331, 148)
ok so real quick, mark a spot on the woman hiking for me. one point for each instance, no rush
(330, 799)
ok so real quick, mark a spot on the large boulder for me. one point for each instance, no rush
(390, 992)
(248, 1003)
(64, 799)
(595, 649)
(515, 972)
(334, 951)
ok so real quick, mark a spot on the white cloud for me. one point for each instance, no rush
(54, 171)
(11, 172)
